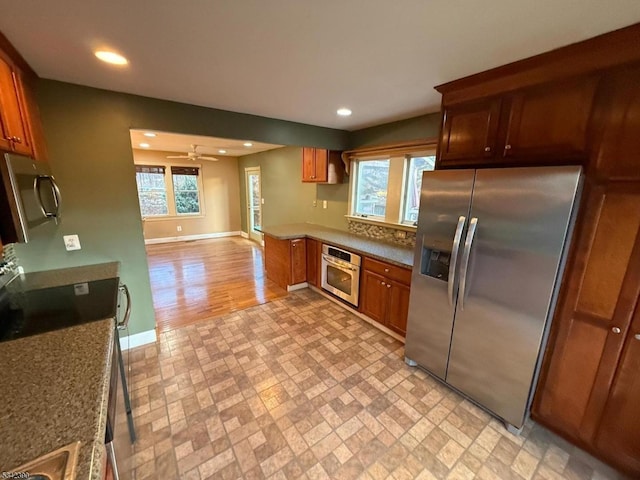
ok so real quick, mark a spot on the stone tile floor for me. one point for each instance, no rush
(301, 388)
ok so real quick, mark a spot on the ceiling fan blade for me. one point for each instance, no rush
(208, 158)
(177, 156)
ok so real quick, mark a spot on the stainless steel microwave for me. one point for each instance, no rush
(32, 193)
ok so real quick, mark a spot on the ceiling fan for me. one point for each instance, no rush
(193, 155)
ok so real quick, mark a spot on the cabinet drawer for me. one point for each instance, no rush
(402, 275)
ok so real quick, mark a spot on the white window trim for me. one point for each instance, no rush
(398, 170)
(171, 200)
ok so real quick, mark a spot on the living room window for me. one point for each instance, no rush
(185, 190)
(168, 191)
(385, 184)
(152, 190)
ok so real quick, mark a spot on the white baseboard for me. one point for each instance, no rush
(370, 321)
(244, 234)
(184, 238)
(297, 286)
(138, 339)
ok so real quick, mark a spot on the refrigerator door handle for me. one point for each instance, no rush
(454, 257)
(464, 266)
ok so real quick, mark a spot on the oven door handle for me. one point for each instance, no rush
(343, 266)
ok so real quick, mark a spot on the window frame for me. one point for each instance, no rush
(407, 178)
(170, 192)
(197, 190)
(354, 195)
(399, 162)
(166, 193)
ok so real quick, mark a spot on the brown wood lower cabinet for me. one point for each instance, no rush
(285, 260)
(384, 294)
(313, 262)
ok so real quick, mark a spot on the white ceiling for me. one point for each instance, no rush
(298, 60)
(176, 142)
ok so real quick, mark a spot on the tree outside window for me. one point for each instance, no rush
(152, 191)
(185, 190)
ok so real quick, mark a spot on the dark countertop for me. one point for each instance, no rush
(54, 386)
(396, 254)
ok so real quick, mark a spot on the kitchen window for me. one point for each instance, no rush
(386, 188)
(417, 165)
(169, 191)
(371, 188)
(152, 190)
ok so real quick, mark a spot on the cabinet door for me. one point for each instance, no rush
(550, 122)
(6, 87)
(298, 261)
(321, 158)
(373, 296)
(619, 434)
(277, 260)
(38, 145)
(594, 312)
(308, 165)
(469, 132)
(398, 307)
(12, 110)
(312, 262)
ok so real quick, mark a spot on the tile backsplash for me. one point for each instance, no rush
(382, 232)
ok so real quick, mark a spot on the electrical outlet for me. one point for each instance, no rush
(324, 204)
(401, 234)
(315, 203)
(179, 228)
(71, 242)
(262, 201)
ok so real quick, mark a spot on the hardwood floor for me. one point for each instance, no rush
(196, 280)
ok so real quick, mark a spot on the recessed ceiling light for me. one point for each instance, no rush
(248, 144)
(150, 134)
(344, 112)
(111, 57)
(145, 145)
(222, 151)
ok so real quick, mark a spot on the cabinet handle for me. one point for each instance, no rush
(616, 330)
(388, 286)
(637, 336)
(386, 270)
(382, 283)
(487, 149)
(507, 147)
(16, 139)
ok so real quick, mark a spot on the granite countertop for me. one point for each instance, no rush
(395, 254)
(54, 386)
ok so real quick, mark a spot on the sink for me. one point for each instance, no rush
(57, 465)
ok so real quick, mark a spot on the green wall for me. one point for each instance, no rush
(87, 133)
(286, 198)
(424, 127)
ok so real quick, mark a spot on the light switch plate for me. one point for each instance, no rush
(71, 242)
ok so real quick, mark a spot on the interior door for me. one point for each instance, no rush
(444, 209)
(254, 203)
(507, 278)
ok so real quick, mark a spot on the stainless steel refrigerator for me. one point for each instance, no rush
(489, 256)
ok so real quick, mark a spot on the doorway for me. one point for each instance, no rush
(254, 203)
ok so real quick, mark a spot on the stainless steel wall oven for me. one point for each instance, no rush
(341, 273)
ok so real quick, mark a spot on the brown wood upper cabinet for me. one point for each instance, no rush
(545, 124)
(321, 166)
(384, 294)
(15, 135)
